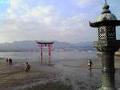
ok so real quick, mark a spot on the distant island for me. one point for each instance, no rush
(21, 46)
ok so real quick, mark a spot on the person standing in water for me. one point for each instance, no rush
(90, 64)
(6, 60)
(27, 67)
(10, 61)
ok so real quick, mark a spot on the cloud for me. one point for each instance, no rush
(85, 2)
(88, 5)
(43, 22)
(20, 9)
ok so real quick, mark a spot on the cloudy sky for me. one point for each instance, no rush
(61, 20)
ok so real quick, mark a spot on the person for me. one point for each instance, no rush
(27, 67)
(10, 61)
(90, 64)
(6, 60)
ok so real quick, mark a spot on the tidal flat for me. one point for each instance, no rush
(68, 71)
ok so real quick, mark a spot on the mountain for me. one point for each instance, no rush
(32, 46)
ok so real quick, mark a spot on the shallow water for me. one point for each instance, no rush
(73, 65)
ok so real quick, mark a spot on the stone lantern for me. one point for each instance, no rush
(107, 45)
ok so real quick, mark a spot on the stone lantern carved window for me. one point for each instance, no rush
(111, 33)
(102, 33)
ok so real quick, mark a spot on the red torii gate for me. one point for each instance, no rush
(43, 44)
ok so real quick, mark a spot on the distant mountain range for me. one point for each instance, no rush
(20, 46)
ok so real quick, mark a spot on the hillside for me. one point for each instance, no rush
(32, 46)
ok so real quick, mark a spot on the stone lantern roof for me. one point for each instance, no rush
(106, 18)
(106, 14)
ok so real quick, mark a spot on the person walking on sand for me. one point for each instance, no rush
(10, 61)
(7, 60)
(90, 64)
(27, 67)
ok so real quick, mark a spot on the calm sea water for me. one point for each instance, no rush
(56, 55)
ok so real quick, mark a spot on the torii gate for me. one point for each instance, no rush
(43, 44)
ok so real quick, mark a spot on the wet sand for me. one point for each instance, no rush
(13, 77)
(65, 75)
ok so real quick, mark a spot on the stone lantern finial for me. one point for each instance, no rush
(105, 2)
(106, 8)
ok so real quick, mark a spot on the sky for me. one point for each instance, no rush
(51, 20)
